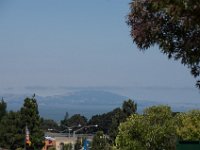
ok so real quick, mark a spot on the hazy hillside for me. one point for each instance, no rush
(86, 102)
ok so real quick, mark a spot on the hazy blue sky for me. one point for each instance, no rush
(58, 43)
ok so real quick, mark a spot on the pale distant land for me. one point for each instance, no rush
(90, 101)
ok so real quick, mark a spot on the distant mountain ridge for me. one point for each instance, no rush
(85, 102)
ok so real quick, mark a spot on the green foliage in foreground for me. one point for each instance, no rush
(188, 125)
(152, 130)
(157, 129)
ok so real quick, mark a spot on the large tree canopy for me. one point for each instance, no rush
(30, 117)
(188, 125)
(158, 128)
(153, 130)
(172, 25)
(12, 135)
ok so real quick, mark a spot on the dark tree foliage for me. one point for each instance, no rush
(129, 107)
(2, 108)
(12, 135)
(74, 121)
(109, 122)
(49, 124)
(104, 121)
(118, 117)
(12, 126)
(172, 25)
(30, 117)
